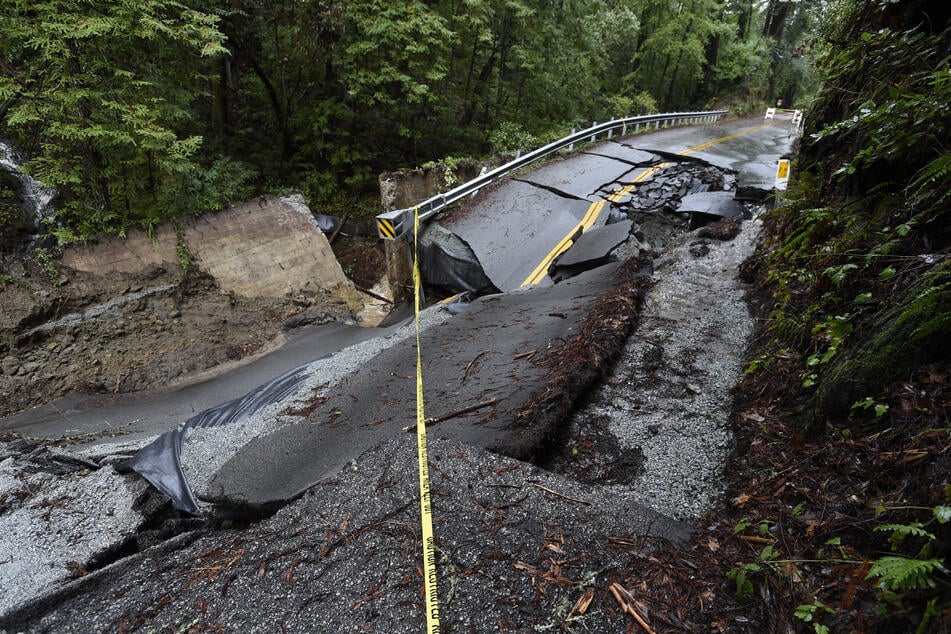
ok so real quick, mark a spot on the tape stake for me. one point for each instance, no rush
(782, 175)
(425, 500)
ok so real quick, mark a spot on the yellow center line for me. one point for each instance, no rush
(594, 210)
(704, 146)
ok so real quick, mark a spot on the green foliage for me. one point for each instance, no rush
(901, 531)
(510, 138)
(881, 119)
(931, 186)
(811, 612)
(47, 261)
(902, 573)
(829, 334)
(99, 96)
(744, 575)
(141, 112)
(838, 274)
(12, 218)
(870, 403)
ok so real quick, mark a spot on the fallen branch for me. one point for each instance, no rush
(561, 495)
(618, 590)
(372, 294)
(471, 363)
(757, 539)
(458, 412)
(524, 355)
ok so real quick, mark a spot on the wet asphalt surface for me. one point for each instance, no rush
(533, 212)
(98, 419)
(490, 351)
(518, 545)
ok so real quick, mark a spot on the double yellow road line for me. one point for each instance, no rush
(595, 209)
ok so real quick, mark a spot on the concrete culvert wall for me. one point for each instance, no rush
(261, 248)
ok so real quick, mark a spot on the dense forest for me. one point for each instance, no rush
(138, 112)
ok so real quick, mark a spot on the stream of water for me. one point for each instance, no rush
(36, 198)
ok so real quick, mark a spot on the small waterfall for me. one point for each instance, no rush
(36, 198)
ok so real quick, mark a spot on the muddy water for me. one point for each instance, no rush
(659, 426)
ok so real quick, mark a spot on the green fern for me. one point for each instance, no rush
(901, 573)
(935, 176)
(901, 531)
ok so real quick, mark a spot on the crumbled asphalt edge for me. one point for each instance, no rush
(206, 449)
(44, 487)
(59, 518)
(575, 367)
(517, 547)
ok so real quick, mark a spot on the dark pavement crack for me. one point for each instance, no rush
(653, 161)
(553, 190)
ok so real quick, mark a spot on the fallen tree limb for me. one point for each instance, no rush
(458, 412)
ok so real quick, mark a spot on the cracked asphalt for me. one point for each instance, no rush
(518, 545)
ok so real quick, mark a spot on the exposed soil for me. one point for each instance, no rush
(65, 331)
(362, 259)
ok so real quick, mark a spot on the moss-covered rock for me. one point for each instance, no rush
(906, 334)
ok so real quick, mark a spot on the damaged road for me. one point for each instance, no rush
(324, 483)
(528, 220)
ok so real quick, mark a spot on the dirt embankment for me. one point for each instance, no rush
(65, 331)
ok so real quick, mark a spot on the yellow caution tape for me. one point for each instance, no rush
(425, 501)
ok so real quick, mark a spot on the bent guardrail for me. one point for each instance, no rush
(394, 224)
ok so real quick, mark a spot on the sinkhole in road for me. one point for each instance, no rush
(659, 424)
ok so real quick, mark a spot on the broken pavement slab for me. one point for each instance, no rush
(493, 350)
(592, 249)
(581, 177)
(527, 222)
(446, 261)
(58, 518)
(517, 546)
(624, 151)
(722, 204)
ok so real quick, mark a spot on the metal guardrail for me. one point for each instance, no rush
(394, 224)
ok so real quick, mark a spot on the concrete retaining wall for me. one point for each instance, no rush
(402, 190)
(262, 248)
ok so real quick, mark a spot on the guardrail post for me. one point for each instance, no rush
(610, 130)
(571, 146)
(593, 136)
(624, 129)
(399, 268)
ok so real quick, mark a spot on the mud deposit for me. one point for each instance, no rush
(65, 331)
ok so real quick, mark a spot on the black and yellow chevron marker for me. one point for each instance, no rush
(385, 228)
